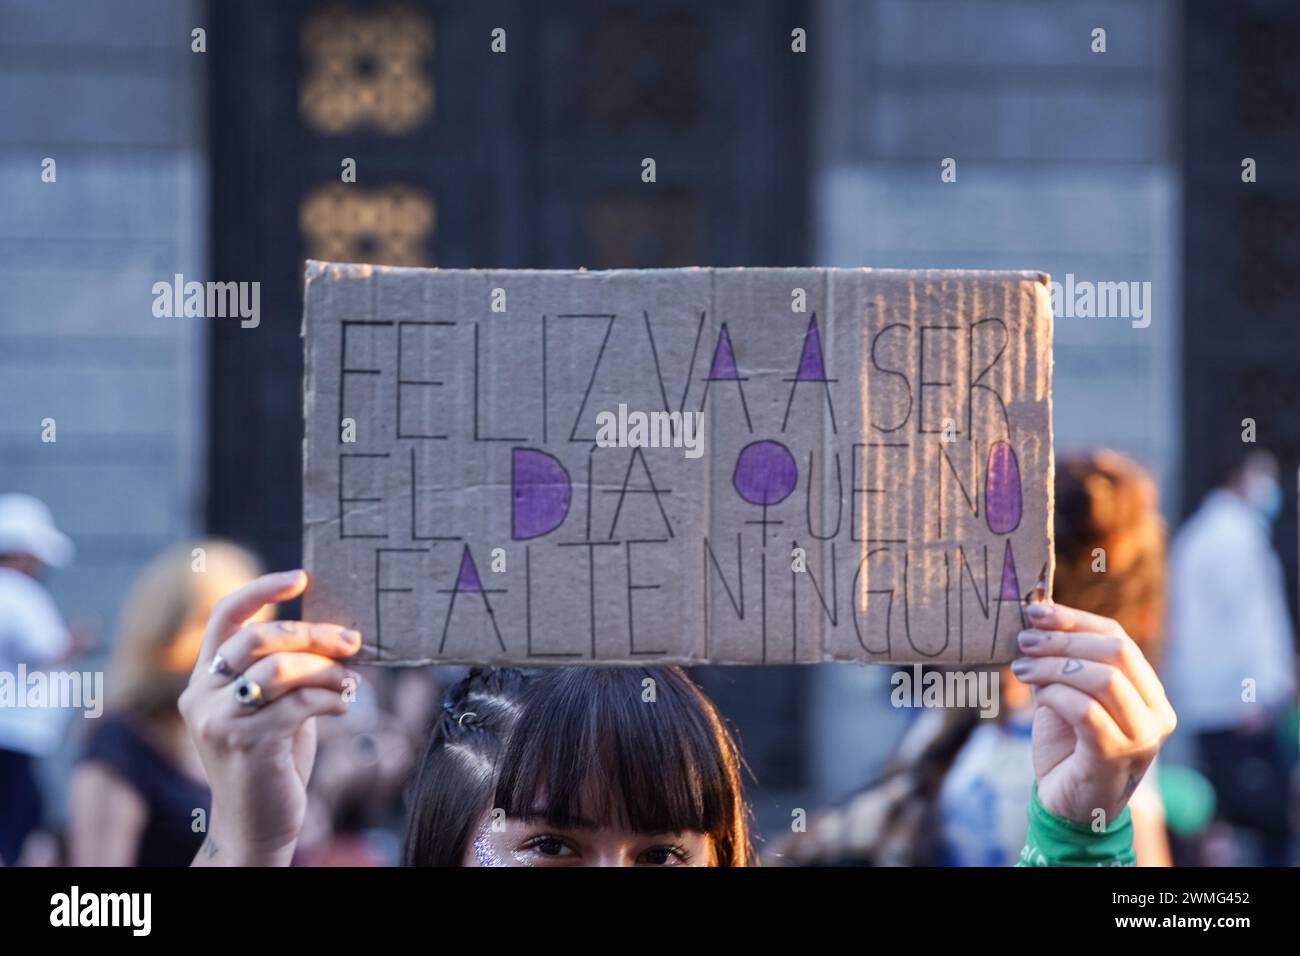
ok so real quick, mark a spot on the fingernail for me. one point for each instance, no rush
(351, 636)
(1037, 611)
(1030, 639)
(1021, 666)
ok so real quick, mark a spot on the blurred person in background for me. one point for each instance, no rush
(956, 791)
(363, 759)
(355, 802)
(134, 794)
(33, 637)
(1232, 663)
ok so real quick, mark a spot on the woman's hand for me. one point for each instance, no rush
(258, 756)
(1100, 712)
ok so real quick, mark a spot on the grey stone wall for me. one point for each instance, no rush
(1066, 163)
(112, 93)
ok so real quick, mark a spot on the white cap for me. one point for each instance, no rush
(27, 527)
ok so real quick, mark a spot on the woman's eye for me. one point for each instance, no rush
(548, 846)
(663, 856)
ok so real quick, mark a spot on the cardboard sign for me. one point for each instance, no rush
(726, 465)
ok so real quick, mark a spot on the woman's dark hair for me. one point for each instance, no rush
(638, 748)
(455, 781)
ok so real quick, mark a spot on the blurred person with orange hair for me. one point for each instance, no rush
(1110, 544)
(1110, 559)
(138, 796)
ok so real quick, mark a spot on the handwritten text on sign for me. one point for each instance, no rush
(727, 465)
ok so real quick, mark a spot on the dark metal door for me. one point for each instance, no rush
(470, 158)
(1241, 335)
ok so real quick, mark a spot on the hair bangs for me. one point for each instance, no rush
(599, 746)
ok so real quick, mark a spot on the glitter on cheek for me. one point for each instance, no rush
(522, 858)
(485, 851)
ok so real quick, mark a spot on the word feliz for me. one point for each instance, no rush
(651, 430)
(211, 300)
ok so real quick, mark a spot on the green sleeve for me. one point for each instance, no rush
(1055, 841)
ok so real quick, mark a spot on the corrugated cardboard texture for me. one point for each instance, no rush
(875, 482)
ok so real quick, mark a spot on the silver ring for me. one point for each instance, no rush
(219, 666)
(248, 692)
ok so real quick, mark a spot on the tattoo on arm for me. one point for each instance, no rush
(1129, 788)
(209, 848)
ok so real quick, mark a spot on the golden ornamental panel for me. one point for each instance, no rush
(386, 225)
(366, 70)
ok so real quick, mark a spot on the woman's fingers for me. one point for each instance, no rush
(289, 712)
(280, 674)
(1120, 652)
(1093, 726)
(233, 610)
(224, 727)
(1058, 617)
(1107, 685)
(258, 641)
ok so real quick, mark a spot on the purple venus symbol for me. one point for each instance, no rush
(766, 473)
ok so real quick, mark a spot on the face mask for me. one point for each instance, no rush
(1265, 496)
